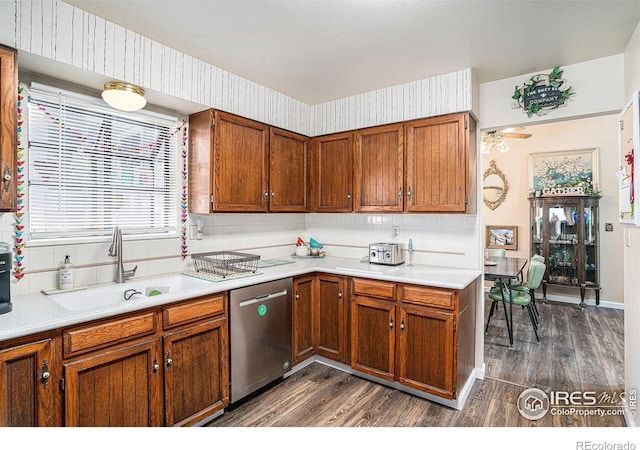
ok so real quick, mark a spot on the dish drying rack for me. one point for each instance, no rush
(223, 265)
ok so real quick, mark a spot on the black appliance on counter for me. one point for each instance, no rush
(6, 257)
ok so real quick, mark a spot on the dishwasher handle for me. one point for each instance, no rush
(263, 298)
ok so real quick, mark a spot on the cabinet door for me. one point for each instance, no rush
(426, 350)
(437, 164)
(116, 388)
(240, 158)
(201, 162)
(378, 167)
(288, 172)
(27, 389)
(196, 372)
(8, 127)
(332, 160)
(304, 326)
(331, 311)
(373, 336)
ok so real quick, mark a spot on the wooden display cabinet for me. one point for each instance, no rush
(565, 230)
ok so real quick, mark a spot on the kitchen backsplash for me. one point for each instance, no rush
(440, 239)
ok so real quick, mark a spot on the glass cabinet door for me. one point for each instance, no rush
(564, 219)
(537, 231)
(591, 244)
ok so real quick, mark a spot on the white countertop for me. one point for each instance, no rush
(35, 313)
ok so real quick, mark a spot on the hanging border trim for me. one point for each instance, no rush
(184, 196)
(542, 93)
(18, 270)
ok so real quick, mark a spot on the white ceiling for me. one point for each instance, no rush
(320, 50)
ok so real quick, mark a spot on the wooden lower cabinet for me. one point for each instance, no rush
(426, 350)
(116, 388)
(304, 334)
(28, 385)
(373, 336)
(196, 372)
(331, 312)
(413, 339)
(174, 374)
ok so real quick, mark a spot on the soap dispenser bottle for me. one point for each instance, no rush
(65, 275)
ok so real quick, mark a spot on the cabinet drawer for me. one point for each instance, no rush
(428, 296)
(99, 335)
(175, 315)
(374, 288)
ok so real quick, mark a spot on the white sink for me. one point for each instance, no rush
(114, 294)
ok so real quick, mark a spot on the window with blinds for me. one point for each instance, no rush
(91, 168)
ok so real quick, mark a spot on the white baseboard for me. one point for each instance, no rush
(458, 403)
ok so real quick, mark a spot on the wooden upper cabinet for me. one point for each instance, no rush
(228, 159)
(8, 127)
(240, 158)
(288, 171)
(332, 173)
(378, 168)
(440, 161)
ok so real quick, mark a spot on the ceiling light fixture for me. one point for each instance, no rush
(124, 96)
(492, 140)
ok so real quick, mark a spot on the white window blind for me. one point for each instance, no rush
(92, 167)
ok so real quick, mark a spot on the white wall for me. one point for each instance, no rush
(598, 87)
(60, 40)
(632, 253)
(576, 134)
(438, 239)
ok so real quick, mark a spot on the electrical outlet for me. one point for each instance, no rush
(395, 233)
(193, 232)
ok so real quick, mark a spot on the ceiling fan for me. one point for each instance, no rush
(494, 139)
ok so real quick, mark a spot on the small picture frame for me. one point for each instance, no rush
(502, 236)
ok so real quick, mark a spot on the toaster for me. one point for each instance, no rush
(388, 253)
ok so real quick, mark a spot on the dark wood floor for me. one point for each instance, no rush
(580, 350)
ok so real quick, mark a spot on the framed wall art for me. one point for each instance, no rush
(628, 173)
(571, 172)
(502, 236)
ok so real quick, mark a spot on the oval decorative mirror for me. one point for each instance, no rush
(494, 186)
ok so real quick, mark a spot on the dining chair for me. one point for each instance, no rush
(540, 259)
(496, 252)
(521, 295)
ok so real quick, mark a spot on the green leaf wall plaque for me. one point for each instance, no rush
(542, 92)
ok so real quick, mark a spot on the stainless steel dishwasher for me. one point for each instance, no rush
(260, 328)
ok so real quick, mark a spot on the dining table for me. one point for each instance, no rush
(505, 270)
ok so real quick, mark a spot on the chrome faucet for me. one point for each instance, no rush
(116, 250)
